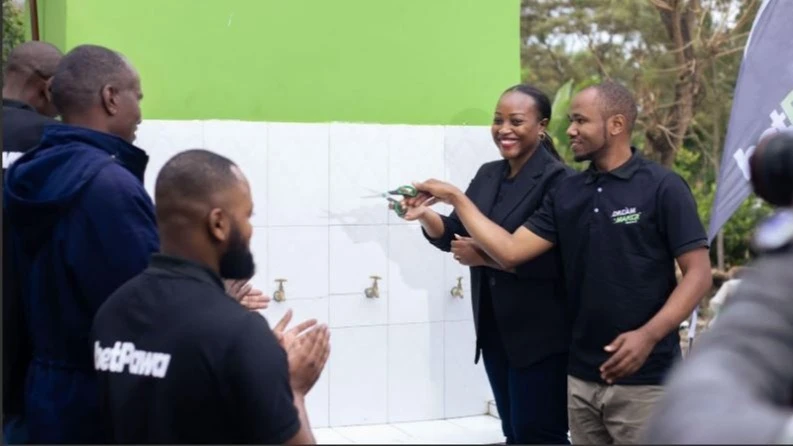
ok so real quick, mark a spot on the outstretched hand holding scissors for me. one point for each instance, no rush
(409, 195)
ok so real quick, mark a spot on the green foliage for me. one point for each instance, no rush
(739, 229)
(13, 28)
(567, 44)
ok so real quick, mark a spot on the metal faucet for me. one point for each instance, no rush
(373, 291)
(458, 290)
(280, 295)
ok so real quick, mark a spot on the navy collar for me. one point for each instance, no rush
(131, 157)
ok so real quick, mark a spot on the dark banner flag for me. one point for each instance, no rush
(762, 103)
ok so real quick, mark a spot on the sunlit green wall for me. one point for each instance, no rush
(406, 61)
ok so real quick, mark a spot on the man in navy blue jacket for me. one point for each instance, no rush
(81, 225)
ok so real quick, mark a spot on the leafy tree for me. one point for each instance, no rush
(13, 27)
(680, 58)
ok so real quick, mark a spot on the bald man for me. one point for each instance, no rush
(178, 360)
(80, 224)
(27, 104)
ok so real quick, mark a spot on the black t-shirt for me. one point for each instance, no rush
(179, 361)
(619, 233)
(22, 129)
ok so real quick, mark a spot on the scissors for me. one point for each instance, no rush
(406, 191)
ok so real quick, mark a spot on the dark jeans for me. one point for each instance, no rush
(531, 401)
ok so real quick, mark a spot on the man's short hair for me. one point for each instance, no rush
(82, 74)
(192, 176)
(615, 99)
(33, 58)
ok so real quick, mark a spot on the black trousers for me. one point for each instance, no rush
(531, 401)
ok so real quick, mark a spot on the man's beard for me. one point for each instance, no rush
(590, 155)
(237, 263)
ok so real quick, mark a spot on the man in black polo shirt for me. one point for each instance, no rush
(620, 226)
(178, 359)
(27, 104)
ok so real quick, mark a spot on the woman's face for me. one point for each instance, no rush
(516, 127)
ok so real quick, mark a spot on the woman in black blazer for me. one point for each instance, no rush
(520, 315)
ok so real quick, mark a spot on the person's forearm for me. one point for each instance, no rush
(307, 436)
(432, 223)
(489, 262)
(490, 237)
(686, 296)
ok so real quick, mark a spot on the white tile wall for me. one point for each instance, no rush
(359, 168)
(163, 139)
(461, 372)
(299, 255)
(356, 254)
(415, 372)
(356, 310)
(245, 143)
(415, 277)
(455, 308)
(415, 153)
(297, 174)
(406, 356)
(465, 149)
(358, 386)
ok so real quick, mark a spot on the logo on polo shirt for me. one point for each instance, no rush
(626, 216)
(123, 357)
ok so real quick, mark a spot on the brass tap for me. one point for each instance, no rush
(457, 291)
(280, 294)
(373, 291)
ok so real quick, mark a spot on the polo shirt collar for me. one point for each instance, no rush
(623, 172)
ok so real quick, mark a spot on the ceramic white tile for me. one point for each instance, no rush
(378, 434)
(297, 179)
(456, 308)
(299, 255)
(437, 432)
(357, 310)
(245, 143)
(415, 153)
(483, 429)
(259, 250)
(302, 309)
(415, 372)
(416, 287)
(467, 390)
(466, 148)
(161, 140)
(358, 167)
(358, 386)
(356, 254)
(326, 435)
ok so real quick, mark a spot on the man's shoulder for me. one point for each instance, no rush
(658, 172)
(774, 235)
(113, 180)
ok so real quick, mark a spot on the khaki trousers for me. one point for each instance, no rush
(603, 414)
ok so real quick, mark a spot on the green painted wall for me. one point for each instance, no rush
(406, 61)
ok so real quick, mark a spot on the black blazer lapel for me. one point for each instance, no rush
(525, 181)
(485, 197)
